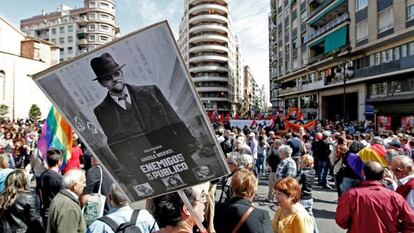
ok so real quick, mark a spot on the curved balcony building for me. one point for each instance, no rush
(77, 30)
(209, 49)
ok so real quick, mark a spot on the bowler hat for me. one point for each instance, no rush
(104, 65)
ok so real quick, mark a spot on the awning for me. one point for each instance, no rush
(336, 39)
(326, 11)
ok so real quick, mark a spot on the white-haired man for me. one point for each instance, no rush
(287, 166)
(403, 169)
(65, 215)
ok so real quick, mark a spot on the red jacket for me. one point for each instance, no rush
(371, 207)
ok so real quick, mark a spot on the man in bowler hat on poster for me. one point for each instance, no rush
(135, 118)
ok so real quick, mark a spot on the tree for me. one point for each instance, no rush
(34, 113)
(4, 109)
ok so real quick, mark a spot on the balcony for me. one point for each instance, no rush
(287, 90)
(82, 30)
(212, 89)
(209, 38)
(209, 58)
(312, 86)
(403, 63)
(322, 5)
(208, 17)
(208, 48)
(207, 7)
(209, 79)
(208, 68)
(209, 27)
(82, 42)
(344, 17)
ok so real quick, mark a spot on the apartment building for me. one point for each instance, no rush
(212, 54)
(77, 30)
(343, 59)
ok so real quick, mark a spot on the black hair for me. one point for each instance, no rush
(168, 207)
(53, 156)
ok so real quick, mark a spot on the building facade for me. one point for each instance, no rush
(75, 31)
(20, 57)
(211, 53)
(343, 59)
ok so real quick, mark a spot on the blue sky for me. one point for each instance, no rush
(249, 17)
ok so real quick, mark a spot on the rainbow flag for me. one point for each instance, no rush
(56, 133)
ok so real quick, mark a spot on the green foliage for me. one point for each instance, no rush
(34, 113)
(4, 109)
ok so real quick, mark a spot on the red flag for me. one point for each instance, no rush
(236, 117)
(253, 125)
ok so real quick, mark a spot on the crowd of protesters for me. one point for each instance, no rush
(36, 196)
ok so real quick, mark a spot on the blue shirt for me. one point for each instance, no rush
(145, 222)
(3, 175)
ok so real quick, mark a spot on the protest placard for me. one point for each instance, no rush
(133, 102)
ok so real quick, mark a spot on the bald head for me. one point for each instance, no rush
(373, 171)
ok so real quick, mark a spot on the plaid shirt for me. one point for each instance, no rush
(286, 168)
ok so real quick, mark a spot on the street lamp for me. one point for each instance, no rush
(346, 72)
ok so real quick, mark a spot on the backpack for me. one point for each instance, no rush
(126, 227)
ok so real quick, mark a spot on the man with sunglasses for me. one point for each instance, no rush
(136, 118)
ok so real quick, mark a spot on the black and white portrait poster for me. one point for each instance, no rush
(133, 103)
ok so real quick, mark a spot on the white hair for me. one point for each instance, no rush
(72, 177)
(286, 150)
(405, 161)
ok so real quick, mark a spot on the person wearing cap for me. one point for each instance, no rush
(137, 117)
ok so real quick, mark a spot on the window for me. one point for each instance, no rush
(104, 16)
(403, 50)
(61, 40)
(53, 41)
(62, 51)
(397, 53)
(70, 39)
(62, 30)
(104, 28)
(92, 15)
(92, 38)
(70, 50)
(92, 27)
(411, 49)
(53, 31)
(92, 4)
(377, 59)
(385, 20)
(104, 5)
(103, 38)
(361, 4)
(410, 12)
(70, 28)
(362, 30)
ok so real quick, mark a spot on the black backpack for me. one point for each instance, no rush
(126, 227)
